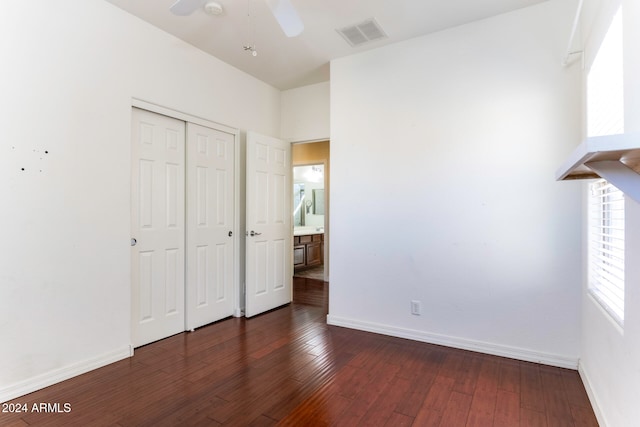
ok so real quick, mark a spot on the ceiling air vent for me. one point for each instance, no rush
(362, 33)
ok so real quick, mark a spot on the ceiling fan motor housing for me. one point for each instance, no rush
(213, 8)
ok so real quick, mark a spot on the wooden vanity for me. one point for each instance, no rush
(308, 250)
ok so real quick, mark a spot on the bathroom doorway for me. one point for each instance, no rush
(310, 162)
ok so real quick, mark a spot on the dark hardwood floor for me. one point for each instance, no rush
(287, 367)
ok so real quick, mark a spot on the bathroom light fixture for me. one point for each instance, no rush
(314, 174)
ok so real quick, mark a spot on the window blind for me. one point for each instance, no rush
(606, 247)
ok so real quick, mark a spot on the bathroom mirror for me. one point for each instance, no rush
(308, 196)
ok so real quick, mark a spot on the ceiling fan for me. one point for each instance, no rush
(282, 10)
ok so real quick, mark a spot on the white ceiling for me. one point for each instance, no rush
(292, 62)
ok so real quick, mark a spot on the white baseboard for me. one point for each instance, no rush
(455, 342)
(57, 375)
(592, 396)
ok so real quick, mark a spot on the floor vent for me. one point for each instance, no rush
(364, 32)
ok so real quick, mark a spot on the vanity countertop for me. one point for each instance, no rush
(306, 230)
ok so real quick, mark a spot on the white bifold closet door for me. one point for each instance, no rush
(182, 263)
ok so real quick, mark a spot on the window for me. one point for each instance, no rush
(605, 116)
(606, 247)
(605, 91)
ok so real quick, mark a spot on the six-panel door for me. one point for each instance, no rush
(210, 224)
(182, 222)
(268, 241)
(157, 224)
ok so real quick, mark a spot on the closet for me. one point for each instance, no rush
(183, 224)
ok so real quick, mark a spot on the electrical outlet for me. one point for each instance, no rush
(416, 307)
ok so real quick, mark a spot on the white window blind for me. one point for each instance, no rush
(606, 247)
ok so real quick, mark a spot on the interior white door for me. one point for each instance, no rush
(157, 225)
(210, 225)
(268, 223)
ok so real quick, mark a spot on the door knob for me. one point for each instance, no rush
(230, 233)
(253, 233)
(133, 241)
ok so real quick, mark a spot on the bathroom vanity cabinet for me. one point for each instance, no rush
(308, 250)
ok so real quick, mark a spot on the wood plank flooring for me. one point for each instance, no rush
(288, 368)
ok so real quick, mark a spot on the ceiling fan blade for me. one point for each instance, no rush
(185, 7)
(287, 17)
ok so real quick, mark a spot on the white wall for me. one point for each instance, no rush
(305, 113)
(69, 72)
(610, 356)
(443, 155)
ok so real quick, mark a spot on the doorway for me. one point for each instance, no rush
(311, 180)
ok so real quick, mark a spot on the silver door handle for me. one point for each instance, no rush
(253, 233)
(133, 241)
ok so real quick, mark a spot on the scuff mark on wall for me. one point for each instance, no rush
(31, 161)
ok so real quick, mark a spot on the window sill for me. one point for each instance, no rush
(615, 158)
(607, 312)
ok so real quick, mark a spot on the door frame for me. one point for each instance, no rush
(188, 118)
(327, 202)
